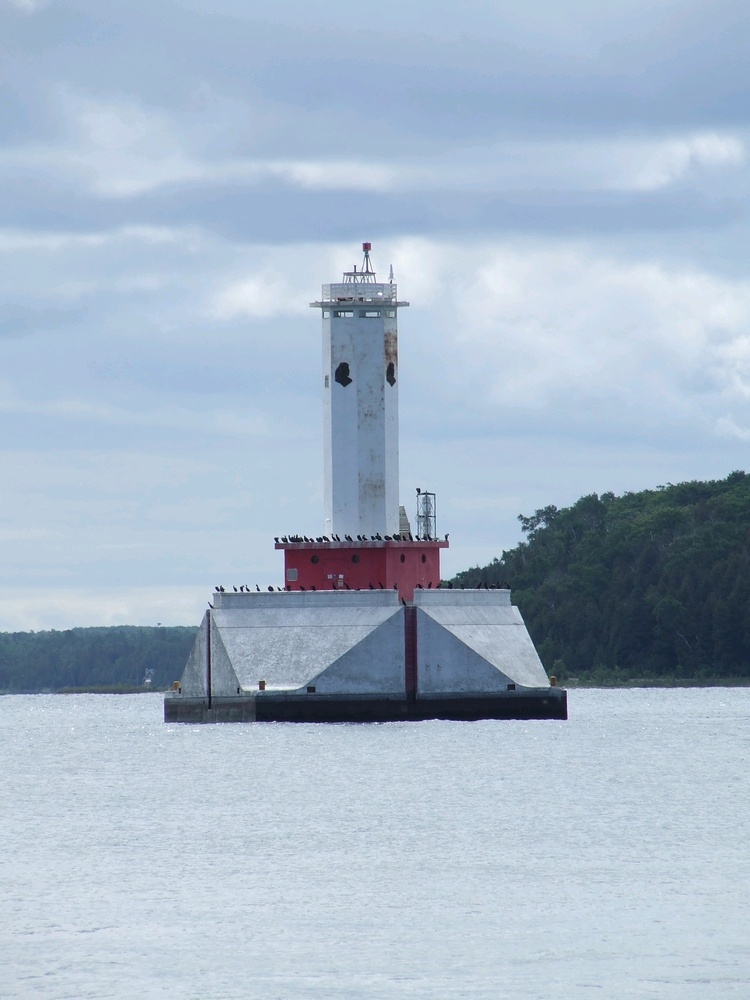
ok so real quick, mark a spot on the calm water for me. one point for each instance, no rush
(608, 856)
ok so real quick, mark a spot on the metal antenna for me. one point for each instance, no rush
(365, 273)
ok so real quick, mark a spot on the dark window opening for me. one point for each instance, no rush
(403, 557)
(355, 558)
(314, 559)
(424, 558)
(341, 374)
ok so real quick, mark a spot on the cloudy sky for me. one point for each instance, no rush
(561, 188)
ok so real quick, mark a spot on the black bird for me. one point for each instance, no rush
(371, 586)
(270, 589)
(242, 589)
(211, 606)
(395, 586)
(411, 537)
(446, 536)
(347, 585)
(381, 586)
(284, 538)
(429, 585)
(388, 538)
(217, 589)
(235, 589)
(311, 587)
(403, 602)
(257, 588)
(221, 589)
(301, 587)
(377, 535)
(420, 586)
(276, 539)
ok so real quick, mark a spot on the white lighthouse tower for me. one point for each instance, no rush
(360, 408)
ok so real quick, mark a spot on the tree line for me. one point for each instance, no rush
(118, 657)
(649, 585)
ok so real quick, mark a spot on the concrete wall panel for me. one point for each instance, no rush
(374, 666)
(487, 625)
(193, 681)
(447, 665)
(224, 680)
(289, 639)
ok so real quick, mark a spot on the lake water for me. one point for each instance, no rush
(607, 856)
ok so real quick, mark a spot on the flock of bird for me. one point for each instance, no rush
(321, 539)
(243, 589)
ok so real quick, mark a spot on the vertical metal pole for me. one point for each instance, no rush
(208, 656)
(410, 654)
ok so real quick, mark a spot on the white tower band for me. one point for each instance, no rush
(360, 409)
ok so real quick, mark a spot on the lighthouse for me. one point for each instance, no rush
(360, 403)
(362, 629)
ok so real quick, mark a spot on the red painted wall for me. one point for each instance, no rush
(338, 565)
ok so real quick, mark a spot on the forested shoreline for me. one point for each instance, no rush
(650, 587)
(120, 657)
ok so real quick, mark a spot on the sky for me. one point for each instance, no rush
(561, 187)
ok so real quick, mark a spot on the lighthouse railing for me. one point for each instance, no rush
(359, 292)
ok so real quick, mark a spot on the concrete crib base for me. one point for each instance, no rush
(269, 707)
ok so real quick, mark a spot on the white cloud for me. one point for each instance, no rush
(650, 166)
(261, 295)
(727, 427)
(29, 6)
(222, 422)
(123, 149)
(532, 322)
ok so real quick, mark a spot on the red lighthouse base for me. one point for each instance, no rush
(387, 565)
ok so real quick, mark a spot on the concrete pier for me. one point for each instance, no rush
(340, 656)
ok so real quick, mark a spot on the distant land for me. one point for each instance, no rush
(649, 587)
(644, 588)
(121, 657)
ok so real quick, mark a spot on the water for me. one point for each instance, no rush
(602, 857)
